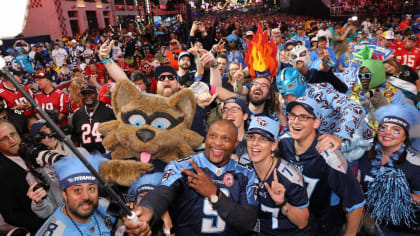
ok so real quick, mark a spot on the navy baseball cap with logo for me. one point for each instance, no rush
(88, 88)
(309, 105)
(238, 101)
(265, 126)
(70, 170)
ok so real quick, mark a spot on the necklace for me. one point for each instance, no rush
(77, 227)
(90, 113)
(261, 184)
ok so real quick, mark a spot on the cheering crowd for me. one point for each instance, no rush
(311, 127)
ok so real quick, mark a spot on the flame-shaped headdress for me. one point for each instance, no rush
(261, 56)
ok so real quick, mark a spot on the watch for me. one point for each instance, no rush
(215, 197)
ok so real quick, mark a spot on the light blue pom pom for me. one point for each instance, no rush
(389, 199)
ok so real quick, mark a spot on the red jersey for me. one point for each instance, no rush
(124, 65)
(14, 97)
(56, 100)
(105, 93)
(410, 58)
(100, 73)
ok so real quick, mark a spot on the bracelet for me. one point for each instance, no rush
(214, 65)
(109, 60)
(168, 231)
(282, 204)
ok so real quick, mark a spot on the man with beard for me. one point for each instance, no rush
(87, 118)
(83, 212)
(186, 76)
(261, 99)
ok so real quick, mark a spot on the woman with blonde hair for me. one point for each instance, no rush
(74, 92)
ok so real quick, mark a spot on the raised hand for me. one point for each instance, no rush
(200, 181)
(277, 191)
(105, 49)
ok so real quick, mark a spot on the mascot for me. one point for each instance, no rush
(150, 131)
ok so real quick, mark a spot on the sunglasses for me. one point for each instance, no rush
(164, 77)
(43, 135)
(365, 75)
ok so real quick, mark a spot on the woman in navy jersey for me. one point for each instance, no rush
(282, 196)
(390, 172)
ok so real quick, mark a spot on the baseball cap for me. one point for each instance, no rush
(238, 101)
(87, 88)
(173, 41)
(299, 27)
(149, 56)
(73, 41)
(413, 37)
(183, 54)
(314, 39)
(389, 35)
(37, 126)
(232, 38)
(308, 104)
(78, 173)
(218, 31)
(249, 33)
(161, 69)
(145, 184)
(289, 42)
(265, 126)
(42, 75)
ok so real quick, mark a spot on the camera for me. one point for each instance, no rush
(36, 153)
(43, 185)
(115, 36)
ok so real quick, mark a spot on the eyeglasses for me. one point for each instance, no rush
(233, 110)
(12, 135)
(302, 117)
(252, 138)
(365, 75)
(164, 77)
(146, 67)
(264, 85)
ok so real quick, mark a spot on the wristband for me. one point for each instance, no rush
(197, 78)
(282, 205)
(168, 231)
(109, 60)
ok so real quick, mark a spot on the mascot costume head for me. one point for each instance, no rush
(148, 127)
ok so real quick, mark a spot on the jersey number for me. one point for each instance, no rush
(408, 60)
(211, 224)
(88, 131)
(47, 106)
(310, 185)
